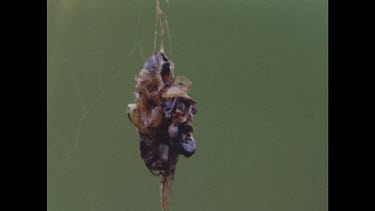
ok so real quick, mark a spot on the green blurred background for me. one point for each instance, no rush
(259, 73)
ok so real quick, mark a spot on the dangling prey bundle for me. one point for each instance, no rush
(162, 113)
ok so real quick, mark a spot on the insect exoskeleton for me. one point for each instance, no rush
(187, 144)
(173, 130)
(179, 88)
(155, 74)
(133, 114)
(175, 91)
(156, 117)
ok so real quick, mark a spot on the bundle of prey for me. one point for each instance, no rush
(162, 113)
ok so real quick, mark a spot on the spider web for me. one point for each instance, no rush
(86, 107)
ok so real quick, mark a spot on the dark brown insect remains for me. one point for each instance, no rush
(162, 113)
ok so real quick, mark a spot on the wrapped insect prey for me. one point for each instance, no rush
(162, 113)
